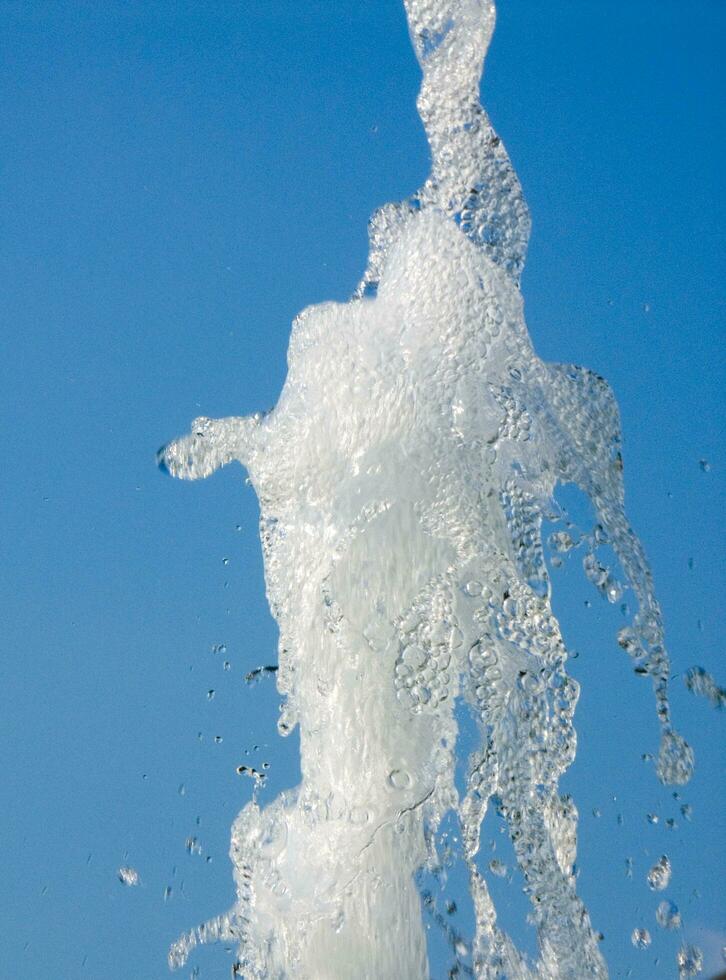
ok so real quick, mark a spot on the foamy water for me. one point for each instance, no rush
(403, 477)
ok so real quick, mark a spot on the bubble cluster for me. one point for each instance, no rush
(429, 639)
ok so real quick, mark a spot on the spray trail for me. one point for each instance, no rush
(403, 477)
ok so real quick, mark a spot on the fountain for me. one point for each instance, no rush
(403, 479)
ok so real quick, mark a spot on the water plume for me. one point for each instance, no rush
(403, 477)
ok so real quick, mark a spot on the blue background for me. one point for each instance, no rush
(178, 179)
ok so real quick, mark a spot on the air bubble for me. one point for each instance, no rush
(690, 961)
(413, 657)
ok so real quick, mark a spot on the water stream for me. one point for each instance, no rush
(403, 479)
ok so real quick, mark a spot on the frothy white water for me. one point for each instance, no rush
(403, 477)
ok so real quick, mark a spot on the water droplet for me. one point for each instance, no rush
(473, 588)
(167, 893)
(498, 868)
(225, 561)
(182, 791)
(652, 818)
(659, 875)
(128, 876)
(705, 465)
(561, 542)
(690, 961)
(210, 694)
(640, 938)
(667, 915)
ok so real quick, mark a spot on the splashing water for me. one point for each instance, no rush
(403, 477)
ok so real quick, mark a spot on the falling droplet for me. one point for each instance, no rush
(561, 542)
(498, 868)
(640, 938)
(128, 876)
(690, 961)
(659, 875)
(667, 915)
(700, 682)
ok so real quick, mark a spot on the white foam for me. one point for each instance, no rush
(402, 478)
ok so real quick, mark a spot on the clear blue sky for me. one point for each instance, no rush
(177, 180)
